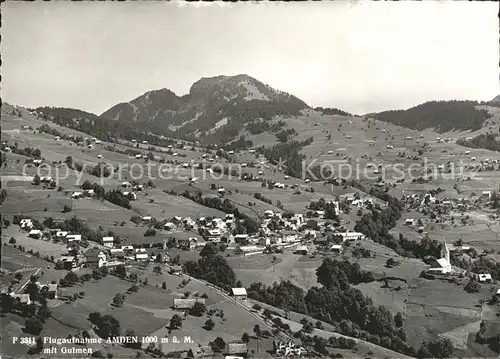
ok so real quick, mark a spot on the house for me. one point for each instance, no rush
(69, 262)
(130, 195)
(214, 235)
(126, 184)
(240, 293)
(74, 237)
(61, 234)
(410, 222)
(26, 224)
(302, 250)
(337, 248)
(89, 192)
(268, 213)
(186, 303)
(95, 258)
(50, 289)
(241, 239)
(486, 194)
(497, 294)
(23, 298)
(176, 269)
(349, 236)
(108, 242)
(35, 233)
(77, 195)
(169, 226)
(117, 252)
(484, 277)
(141, 256)
(203, 351)
(188, 243)
(147, 218)
(236, 348)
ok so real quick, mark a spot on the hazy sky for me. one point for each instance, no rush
(358, 57)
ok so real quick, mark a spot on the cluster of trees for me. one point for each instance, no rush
(444, 116)
(481, 265)
(285, 135)
(106, 326)
(240, 144)
(26, 151)
(327, 207)
(212, 267)
(333, 111)
(489, 141)
(289, 153)
(338, 303)
(113, 196)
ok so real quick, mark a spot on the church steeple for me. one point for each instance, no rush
(445, 251)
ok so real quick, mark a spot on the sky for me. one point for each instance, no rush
(359, 57)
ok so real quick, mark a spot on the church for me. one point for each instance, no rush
(443, 264)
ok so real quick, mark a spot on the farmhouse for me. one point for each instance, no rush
(95, 258)
(108, 241)
(236, 348)
(410, 222)
(484, 277)
(241, 239)
(349, 236)
(187, 243)
(203, 351)
(77, 195)
(176, 269)
(74, 237)
(141, 256)
(240, 293)
(35, 233)
(61, 234)
(337, 248)
(50, 289)
(69, 262)
(26, 224)
(169, 226)
(214, 235)
(186, 304)
(302, 250)
(23, 298)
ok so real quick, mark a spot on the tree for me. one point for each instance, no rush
(245, 338)
(209, 324)
(208, 250)
(175, 322)
(398, 320)
(218, 344)
(157, 270)
(36, 180)
(164, 285)
(118, 300)
(257, 330)
(33, 326)
(198, 309)
(121, 271)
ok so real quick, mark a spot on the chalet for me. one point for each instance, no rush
(117, 252)
(497, 294)
(241, 239)
(77, 195)
(141, 256)
(50, 290)
(202, 351)
(240, 293)
(486, 194)
(138, 187)
(484, 277)
(26, 224)
(69, 262)
(108, 242)
(158, 255)
(99, 156)
(95, 258)
(337, 248)
(214, 235)
(23, 298)
(89, 192)
(169, 226)
(147, 218)
(268, 213)
(74, 237)
(138, 157)
(175, 269)
(409, 222)
(348, 197)
(187, 243)
(46, 179)
(126, 184)
(302, 250)
(61, 234)
(130, 195)
(186, 304)
(35, 233)
(7, 149)
(236, 348)
(349, 236)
